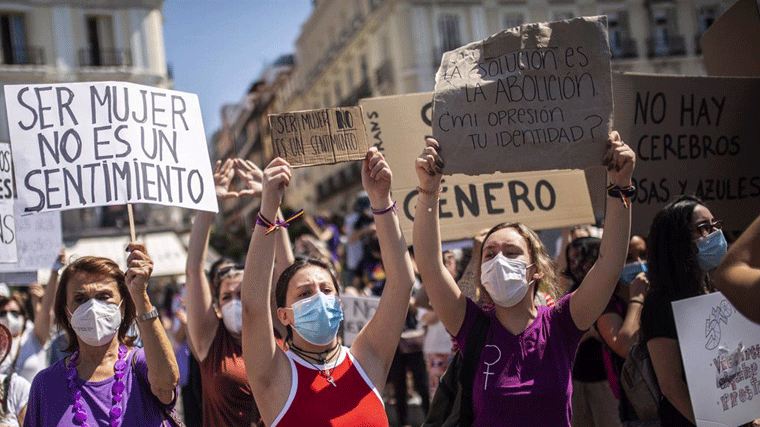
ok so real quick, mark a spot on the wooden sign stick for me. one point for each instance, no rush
(131, 222)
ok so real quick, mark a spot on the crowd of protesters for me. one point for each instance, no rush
(257, 341)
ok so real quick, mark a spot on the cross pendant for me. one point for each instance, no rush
(331, 381)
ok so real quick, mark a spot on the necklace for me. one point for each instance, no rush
(325, 373)
(116, 389)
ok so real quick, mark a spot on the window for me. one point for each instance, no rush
(13, 28)
(706, 15)
(665, 40)
(448, 32)
(100, 39)
(512, 20)
(621, 44)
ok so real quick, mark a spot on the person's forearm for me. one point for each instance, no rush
(427, 236)
(678, 396)
(44, 314)
(629, 332)
(163, 372)
(284, 251)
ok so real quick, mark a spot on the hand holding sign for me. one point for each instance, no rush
(619, 160)
(376, 179)
(139, 269)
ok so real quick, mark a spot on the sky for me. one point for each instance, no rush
(217, 48)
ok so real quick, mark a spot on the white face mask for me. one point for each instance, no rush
(14, 323)
(96, 322)
(232, 315)
(504, 279)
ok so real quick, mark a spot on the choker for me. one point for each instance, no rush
(325, 373)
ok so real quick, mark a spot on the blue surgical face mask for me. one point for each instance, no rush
(317, 318)
(712, 248)
(631, 270)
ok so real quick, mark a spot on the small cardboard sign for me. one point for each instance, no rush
(534, 97)
(319, 137)
(397, 125)
(357, 312)
(692, 135)
(8, 240)
(723, 349)
(78, 145)
(739, 28)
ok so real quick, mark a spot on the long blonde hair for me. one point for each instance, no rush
(538, 255)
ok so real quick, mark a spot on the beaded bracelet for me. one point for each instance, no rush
(623, 192)
(421, 190)
(272, 226)
(392, 207)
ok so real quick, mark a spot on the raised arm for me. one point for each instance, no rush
(621, 333)
(738, 275)
(43, 317)
(163, 373)
(447, 300)
(267, 368)
(592, 296)
(202, 319)
(376, 343)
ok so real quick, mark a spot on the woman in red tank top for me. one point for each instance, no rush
(318, 382)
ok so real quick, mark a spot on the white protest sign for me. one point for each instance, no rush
(397, 126)
(8, 247)
(721, 351)
(357, 311)
(79, 145)
(39, 240)
(534, 97)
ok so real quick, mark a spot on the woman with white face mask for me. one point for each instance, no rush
(107, 381)
(214, 310)
(529, 350)
(317, 381)
(29, 353)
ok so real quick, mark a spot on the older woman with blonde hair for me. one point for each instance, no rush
(107, 381)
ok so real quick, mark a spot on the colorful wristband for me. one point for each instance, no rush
(392, 207)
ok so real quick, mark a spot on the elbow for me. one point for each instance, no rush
(669, 388)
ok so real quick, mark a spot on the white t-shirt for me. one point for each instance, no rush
(32, 355)
(18, 395)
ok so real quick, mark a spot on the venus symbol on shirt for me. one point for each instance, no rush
(488, 372)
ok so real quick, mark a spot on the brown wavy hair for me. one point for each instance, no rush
(538, 255)
(96, 266)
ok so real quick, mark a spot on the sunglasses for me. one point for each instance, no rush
(4, 313)
(706, 227)
(229, 270)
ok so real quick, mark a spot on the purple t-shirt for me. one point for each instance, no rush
(524, 380)
(50, 403)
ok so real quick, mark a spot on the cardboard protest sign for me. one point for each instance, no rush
(319, 137)
(79, 145)
(398, 125)
(357, 311)
(534, 97)
(692, 135)
(723, 349)
(38, 240)
(739, 28)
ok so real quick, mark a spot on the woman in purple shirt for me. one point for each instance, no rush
(106, 381)
(529, 351)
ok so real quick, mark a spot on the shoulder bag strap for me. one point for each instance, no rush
(476, 339)
(170, 414)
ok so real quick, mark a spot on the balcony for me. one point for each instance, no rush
(384, 74)
(24, 55)
(105, 58)
(659, 47)
(626, 49)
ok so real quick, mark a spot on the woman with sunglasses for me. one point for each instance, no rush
(317, 381)
(214, 311)
(685, 244)
(529, 351)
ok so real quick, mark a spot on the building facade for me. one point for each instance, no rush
(61, 41)
(350, 49)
